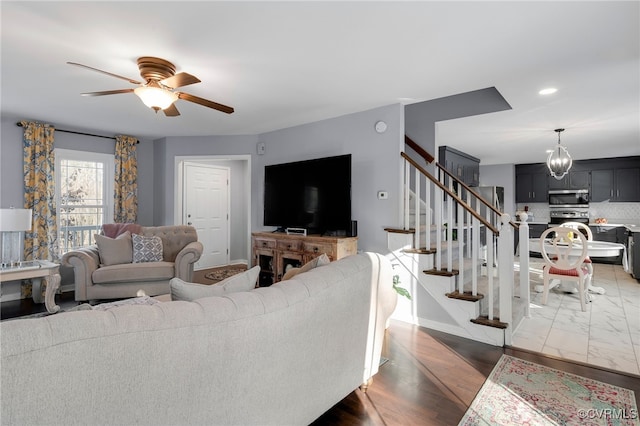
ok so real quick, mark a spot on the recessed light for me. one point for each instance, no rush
(548, 91)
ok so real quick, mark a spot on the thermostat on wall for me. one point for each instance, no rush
(381, 126)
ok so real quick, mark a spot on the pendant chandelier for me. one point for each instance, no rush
(559, 161)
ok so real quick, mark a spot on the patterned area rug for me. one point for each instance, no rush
(224, 272)
(520, 392)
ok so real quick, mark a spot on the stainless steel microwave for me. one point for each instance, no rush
(574, 198)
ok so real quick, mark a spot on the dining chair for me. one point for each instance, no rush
(564, 256)
(588, 233)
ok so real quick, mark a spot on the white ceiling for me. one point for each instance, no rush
(281, 64)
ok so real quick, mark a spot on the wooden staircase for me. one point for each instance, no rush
(461, 276)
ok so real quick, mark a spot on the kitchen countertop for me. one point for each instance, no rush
(630, 226)
(633, 227)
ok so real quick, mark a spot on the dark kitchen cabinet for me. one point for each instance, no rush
(608, 179)
(578, 179)
(463, 166)
(532, 185)
(634, 255)
(616, 184)
(611, 234)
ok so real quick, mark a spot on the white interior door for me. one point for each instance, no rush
(206, 208)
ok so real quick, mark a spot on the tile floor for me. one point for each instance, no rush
(606, 335)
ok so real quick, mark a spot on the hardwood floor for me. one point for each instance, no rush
(431, 378)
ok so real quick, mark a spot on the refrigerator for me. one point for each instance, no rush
(494, 195)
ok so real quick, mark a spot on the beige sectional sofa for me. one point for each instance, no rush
(278, 355)
(95, 278)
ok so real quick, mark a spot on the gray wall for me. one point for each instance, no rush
(421, 118)
(375, 165)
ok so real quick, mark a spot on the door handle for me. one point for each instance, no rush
(188, 223)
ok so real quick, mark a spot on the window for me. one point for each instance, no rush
(84, 195)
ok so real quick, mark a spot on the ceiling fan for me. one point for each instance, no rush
(157, 90)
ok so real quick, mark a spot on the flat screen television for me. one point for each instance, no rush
(314, 195)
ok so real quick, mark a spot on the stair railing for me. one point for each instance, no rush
(457, 205)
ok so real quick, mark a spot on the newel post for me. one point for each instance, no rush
(523, 252)
(505, 274)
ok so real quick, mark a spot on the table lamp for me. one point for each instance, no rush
(13, 223)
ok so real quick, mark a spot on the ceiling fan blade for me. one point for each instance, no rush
(171, 111)
(105, 72)
(180, 80)
(107, 92)
(204, 102)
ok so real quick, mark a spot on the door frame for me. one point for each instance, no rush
(212, 159)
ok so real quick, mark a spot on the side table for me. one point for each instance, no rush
(36, 270)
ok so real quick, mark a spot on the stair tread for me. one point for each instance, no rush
(496, 323)
(419, 251)
(465, 296)
(441, 272)
(400, 230)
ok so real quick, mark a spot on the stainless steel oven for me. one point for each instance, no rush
(568, 198)
(560, 215)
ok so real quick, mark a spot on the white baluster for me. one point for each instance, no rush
(417, 209)
(523, 242)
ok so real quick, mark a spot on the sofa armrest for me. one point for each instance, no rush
(84, 261)
(185, 259)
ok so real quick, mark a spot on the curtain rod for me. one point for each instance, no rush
(80, 133)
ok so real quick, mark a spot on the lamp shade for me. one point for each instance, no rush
(15, 220)
(155, 97)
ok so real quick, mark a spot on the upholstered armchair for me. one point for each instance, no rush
(134, 264)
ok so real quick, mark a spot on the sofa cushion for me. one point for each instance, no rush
(114, 251)
(134, 272)
(146, 248)
(174, 238)
(244, 281)
(321, 260)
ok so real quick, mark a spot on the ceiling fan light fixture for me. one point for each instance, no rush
(559, 161)
(155, 98)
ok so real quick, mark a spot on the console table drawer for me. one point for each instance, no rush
(290, 245)
(319, 248)
(265, 243)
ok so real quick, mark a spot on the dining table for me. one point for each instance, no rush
(595, 249)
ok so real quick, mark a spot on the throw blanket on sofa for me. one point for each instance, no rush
(112, 230)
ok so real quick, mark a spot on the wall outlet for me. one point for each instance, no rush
(383, 195)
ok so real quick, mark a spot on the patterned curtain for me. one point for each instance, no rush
(126, 185)
(39, 192)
